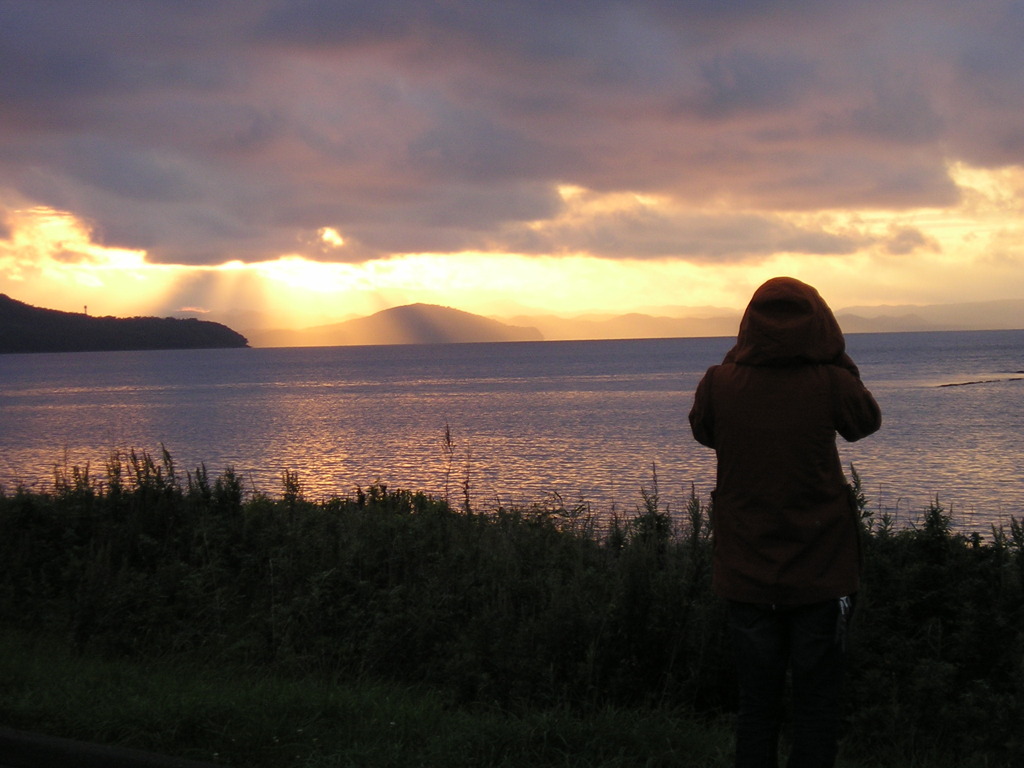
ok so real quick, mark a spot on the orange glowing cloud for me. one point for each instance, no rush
(968, 252)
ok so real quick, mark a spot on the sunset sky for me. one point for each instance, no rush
(307, 161)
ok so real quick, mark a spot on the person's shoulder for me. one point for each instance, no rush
(841, 372)
(717, 369)
(723, 366)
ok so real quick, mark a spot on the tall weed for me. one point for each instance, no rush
(509, 607)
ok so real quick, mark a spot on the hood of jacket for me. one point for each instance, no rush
(788, 323)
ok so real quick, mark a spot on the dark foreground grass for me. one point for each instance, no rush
(171, 612)
(252, 718)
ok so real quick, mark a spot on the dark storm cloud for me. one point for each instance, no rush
(209, 131)
(704, 238)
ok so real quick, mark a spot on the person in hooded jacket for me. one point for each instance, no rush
(785, 528)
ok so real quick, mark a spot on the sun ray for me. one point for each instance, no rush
(970, 251)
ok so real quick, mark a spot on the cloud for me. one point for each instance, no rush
(240, 130)
(905, 240)
(5, 225)
(637, 229)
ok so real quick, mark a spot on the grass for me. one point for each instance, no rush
(247, 717)
(167, 611)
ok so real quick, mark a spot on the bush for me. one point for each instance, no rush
(524, 607)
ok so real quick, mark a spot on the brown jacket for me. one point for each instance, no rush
(785, 530)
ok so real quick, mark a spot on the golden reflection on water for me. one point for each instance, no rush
(524, 429)
(511, 447)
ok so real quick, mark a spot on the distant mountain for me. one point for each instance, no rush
(24, 328)
(631, 326)
(410, 324)
(854, 323)
(430, 324)
(717, 321)
(1004, 314)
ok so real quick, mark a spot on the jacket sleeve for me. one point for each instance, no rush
(702, 415)
(857, 413)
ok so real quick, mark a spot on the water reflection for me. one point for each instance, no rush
(583, 420)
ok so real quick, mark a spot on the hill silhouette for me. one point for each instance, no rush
(680, 322)
(634, 325)
(409, 324)
(24, 328)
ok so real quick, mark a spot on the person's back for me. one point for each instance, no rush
(785, 530)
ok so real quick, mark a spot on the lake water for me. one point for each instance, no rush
(584, 420)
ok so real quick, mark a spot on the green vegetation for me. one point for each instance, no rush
(170, 611)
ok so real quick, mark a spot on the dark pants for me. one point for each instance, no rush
(809, 641)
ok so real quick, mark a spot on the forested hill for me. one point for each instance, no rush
(24, 328)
